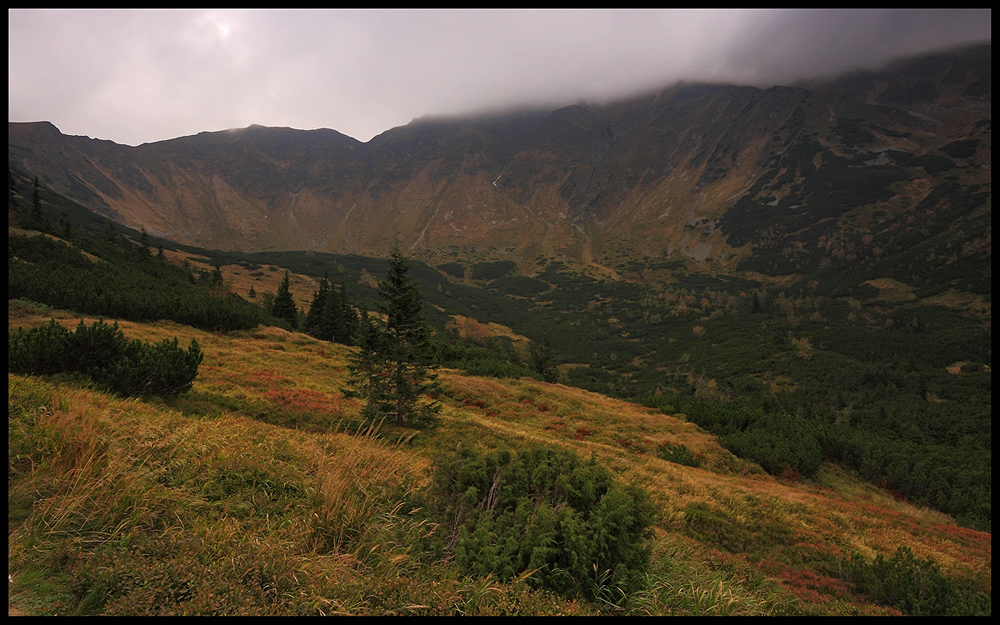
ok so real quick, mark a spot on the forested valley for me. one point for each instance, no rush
(135, 461)
(708, 350)
(840, 366)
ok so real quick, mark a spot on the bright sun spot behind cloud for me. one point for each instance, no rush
(134, 76)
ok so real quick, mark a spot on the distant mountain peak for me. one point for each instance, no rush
(697, 171)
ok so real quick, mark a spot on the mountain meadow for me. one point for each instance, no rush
(710, 351)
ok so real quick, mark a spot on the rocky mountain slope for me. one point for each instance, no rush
(705, 173)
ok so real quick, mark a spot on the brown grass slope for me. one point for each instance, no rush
(253, 494)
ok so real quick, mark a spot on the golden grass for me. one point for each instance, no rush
(892, 290)
(240, 279)
(836, 515)
(320, 502)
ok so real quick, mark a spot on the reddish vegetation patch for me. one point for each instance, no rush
(474, 403)
(543, 407)
(556, 424)
(965, 536)
(788, 474)
(582, 433)
(625, 442)
(271, 378)
(813, 587)
(304, 400)
(975, 546)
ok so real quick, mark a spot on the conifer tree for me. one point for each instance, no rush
(327, 329)
(350, 318)
(37, 220)
(36, 201)
(111, 236)
(541, 359)
(65, 229)
(332, 324)
(315, 315)
(408, 348)
(284, 305)
(369, 370)
(392, 370)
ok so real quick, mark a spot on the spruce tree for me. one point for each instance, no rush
(349, 318)
(111, 236)
(392, 369)
(64, 226)
(541, 359)
(315, 315)
(369, 370)
(332, 323)
(36, 217)
(407, 343)
(284, 305)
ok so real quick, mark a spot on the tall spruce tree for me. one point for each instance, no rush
(393, 368)
(369, 370)
(315, 315)
(36, 218)
(65, 228)
(332, 322)
(350, 316)
(284, 305)
(541, 359)
(339, 318)
(408, 343)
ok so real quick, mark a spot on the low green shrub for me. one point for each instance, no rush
(678, 454)
(41, 351)
(127, 367)
(543, 514)
(914, 586)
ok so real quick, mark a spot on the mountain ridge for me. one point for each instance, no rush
(584, 183)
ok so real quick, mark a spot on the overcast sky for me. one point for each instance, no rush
(135, 76)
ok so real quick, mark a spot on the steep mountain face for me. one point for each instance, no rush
(714, 174)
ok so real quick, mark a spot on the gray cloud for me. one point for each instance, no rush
(134, 76)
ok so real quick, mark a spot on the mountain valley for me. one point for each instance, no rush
(769, 308)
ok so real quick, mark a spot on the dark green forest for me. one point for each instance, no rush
(826, 368)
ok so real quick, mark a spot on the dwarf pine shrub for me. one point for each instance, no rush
(546, 513)
(41, 351)
(915, 586)
(101, 351)
(679, 454)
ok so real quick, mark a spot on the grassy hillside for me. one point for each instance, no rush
(888, 379)
(253, 493)
(871, 350)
